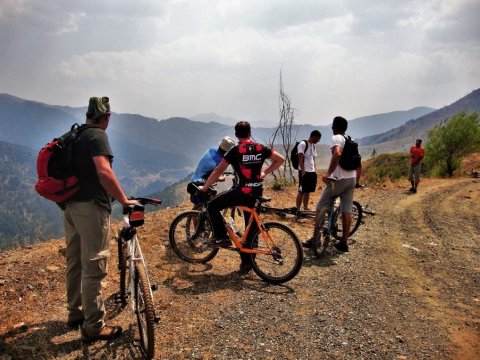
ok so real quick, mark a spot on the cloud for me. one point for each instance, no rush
(184, 57)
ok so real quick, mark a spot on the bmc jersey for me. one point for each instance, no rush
(247, 159)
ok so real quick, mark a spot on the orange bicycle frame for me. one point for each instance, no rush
(240, 241)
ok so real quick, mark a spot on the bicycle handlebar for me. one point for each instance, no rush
(143, 201)
(211, 190)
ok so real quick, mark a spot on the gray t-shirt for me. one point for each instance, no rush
(92, 142)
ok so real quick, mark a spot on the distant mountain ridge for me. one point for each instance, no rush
(357, 128)
(399, 138)
(150, 154)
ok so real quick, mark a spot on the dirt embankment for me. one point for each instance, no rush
(408, 289)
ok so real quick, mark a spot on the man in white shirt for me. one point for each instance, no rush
(307, 175)
(343, 187)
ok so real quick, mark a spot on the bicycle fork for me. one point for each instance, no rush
(276, 252)
(151, 288)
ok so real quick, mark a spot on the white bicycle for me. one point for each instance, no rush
(134, 282)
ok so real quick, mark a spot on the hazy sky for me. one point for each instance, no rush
(186, 57)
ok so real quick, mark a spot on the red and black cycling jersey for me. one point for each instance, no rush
(247, 159)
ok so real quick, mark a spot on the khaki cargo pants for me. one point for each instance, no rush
(414, 173)
(87, 226)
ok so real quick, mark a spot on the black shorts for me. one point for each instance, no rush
(308, 182)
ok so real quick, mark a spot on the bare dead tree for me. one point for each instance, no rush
(283, 132)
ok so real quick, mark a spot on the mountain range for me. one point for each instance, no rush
(150, 154)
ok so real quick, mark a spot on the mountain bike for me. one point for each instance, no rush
(334, 223)
(358, 216)
(358, 212)
(275, 252)
(134, 282)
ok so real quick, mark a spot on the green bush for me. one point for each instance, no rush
(386, 166)
(449, 142)
(280, 184)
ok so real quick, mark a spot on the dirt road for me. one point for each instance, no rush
(408, 289)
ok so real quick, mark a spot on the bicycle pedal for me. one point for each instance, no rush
(154, 287)
(156, 319)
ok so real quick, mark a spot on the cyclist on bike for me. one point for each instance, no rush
(208, 163)
(247, 159)
(343, 187)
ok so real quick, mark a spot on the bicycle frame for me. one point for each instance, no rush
(134, 254)
(239, 241)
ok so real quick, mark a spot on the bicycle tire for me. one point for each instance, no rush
(123, 269)
(194, 251)
(144, 311)
(319, 247)
(357, 214)
(288, 247)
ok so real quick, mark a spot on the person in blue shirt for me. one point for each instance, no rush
(208, 163)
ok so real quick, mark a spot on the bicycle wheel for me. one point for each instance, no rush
(356, 220)
(287, 258)
(188, 245)
(123, 269)
(144, 311)
(319, 247)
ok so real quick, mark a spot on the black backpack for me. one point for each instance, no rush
(56, 180)
(350, 159)
(294, 154)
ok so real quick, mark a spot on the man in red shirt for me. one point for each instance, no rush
(416, 155)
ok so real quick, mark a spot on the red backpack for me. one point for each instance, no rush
(56, 179)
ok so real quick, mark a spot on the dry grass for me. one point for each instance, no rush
(381, 300)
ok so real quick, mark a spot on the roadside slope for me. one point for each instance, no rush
(408, 288)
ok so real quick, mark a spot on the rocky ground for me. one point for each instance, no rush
(408, 289)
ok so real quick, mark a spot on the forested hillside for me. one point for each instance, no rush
(24, 216)
(151, 156)
(403, 136)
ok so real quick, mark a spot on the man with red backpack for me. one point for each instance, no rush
(87, 224)
(247, 158)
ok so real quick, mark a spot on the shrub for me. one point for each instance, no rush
(449, 142)
(386, 166)
(280, 184)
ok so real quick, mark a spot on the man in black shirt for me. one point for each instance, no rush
(87, 225)
(247, 159)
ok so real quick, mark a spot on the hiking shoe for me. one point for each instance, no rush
(222, 242)
(340, 246)
(107, 333)
(74, 324)
(308, 244)
(245, 268)
(414, 191)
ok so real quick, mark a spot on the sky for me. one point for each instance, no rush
(187, 57)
